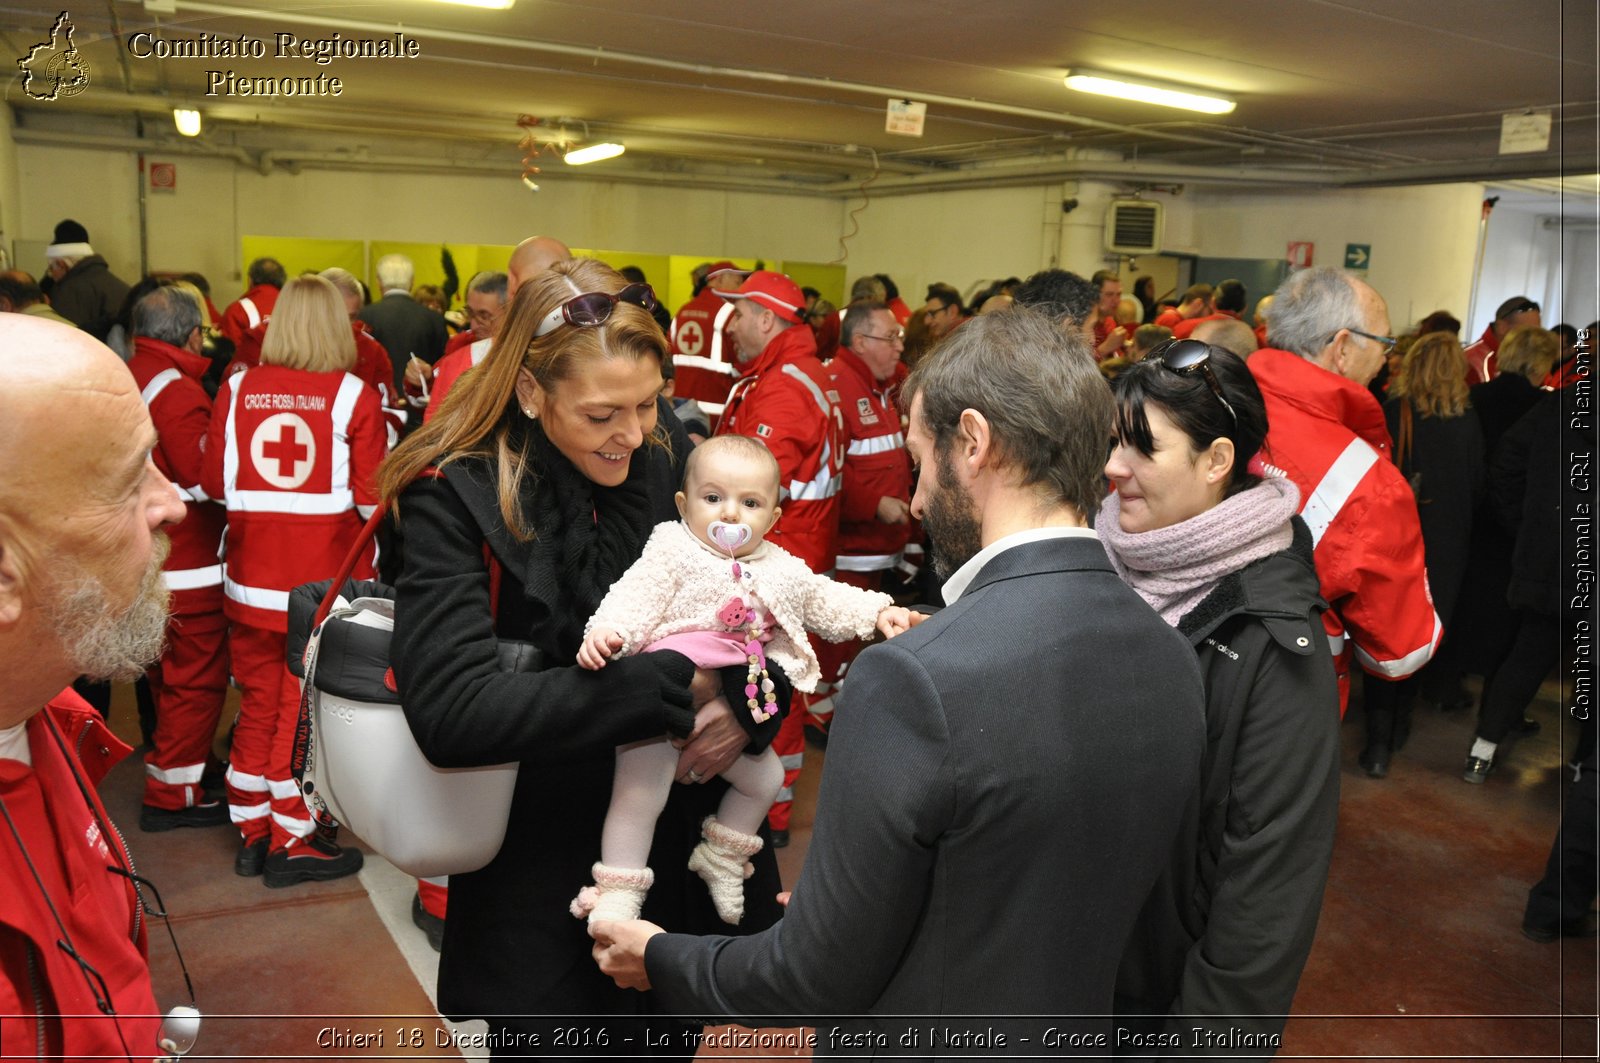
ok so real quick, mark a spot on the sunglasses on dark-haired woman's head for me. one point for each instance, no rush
(1192, 356)
(592, 309)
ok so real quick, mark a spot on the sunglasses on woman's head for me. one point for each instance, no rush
(1192, 356)
(594, 308)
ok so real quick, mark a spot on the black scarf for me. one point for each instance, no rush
(586, 535)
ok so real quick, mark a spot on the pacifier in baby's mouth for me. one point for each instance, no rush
(730, 536)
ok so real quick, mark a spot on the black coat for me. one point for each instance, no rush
(1447, 453)
(405, 327)
(1228, 929)
(1542, 484)
(1478, 629)
(89, 296)
(510, 946)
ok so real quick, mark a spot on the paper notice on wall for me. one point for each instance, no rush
(905, 118)
(1525, 132)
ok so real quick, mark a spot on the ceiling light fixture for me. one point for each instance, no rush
(188, 122)
(593, 153)
(492, 5)
(1147, 92)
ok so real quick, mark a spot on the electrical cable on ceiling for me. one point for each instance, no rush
(855, 225)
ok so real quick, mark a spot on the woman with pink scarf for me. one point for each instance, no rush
(1207, 533)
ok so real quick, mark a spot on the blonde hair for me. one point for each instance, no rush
(199, 300)
(1530, 353)
(1432, 376)
(481, 412)
(309, 329)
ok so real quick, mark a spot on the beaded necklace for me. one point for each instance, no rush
(740, 613)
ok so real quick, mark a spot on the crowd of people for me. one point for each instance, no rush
(1121, 717)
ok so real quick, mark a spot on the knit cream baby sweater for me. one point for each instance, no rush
(680, 584)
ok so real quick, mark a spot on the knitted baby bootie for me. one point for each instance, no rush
(617, 893)
(720, 859)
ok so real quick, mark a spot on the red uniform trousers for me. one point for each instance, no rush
(189, 684)
(836, 657)
(435, 894)
(263, 798)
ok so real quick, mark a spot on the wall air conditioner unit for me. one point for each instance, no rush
(1133, 227)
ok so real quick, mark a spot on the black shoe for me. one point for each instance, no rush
(1374, 761)
(314, 860)
(1477, 769)
(816, 736)
(153, 820)
(250, 859)
(1571, 928)
(1528, 727)
(427, 922)
(780, 839)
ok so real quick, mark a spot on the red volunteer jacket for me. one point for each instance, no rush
(372, 366)
(1169, 318)
(293, 454)
(876, 465)
(449, 369)
(1483, 358)
(43, 991)
(1183, 328)
(252, 308)
(786, 399)
(1329, 435)
(703, 353)
(169, 379)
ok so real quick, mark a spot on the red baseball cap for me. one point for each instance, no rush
(723, 267)
(773, 291)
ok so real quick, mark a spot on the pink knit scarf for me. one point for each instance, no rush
(1173, 568)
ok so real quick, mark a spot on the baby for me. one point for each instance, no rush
(712, 589)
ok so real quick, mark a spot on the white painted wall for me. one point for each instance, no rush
(198, 226)
(972, 237)
(1423, 239)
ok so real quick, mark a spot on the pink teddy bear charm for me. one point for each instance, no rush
(735, 615)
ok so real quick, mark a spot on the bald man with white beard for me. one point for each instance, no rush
(82, 506)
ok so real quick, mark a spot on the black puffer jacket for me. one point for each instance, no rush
(1227, 931)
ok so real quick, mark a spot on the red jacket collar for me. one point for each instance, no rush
(790, 345)
(1489, 339)
(845, 358)
(1307, 386)
(192, 366)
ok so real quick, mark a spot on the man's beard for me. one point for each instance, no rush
(951, 520)
(102, 642)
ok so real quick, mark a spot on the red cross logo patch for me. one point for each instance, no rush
(690, 338)
(284, 451)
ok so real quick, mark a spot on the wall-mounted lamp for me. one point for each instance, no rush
(188, 122)
(1147, 92)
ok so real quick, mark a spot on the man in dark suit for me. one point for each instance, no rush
(405, 327)
(1005, 781)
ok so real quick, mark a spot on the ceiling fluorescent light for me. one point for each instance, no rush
(593, 153)
(1145, 92)
(493, 5)
(188, 122)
